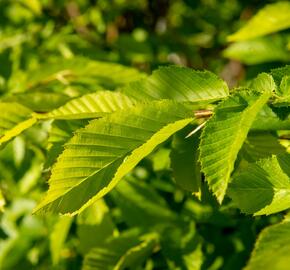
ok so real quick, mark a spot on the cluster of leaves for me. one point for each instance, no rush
(192, 170)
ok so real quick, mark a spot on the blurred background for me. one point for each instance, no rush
(40, 41)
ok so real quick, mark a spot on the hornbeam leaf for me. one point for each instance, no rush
(69, 70)
(272, 248)
(224, 135)
(264, 187)
(14, 119)
(91, 106)
(99, 155)
(270, 19)
(179, 84)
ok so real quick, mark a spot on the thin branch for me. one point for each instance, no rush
(195, 130)
(203, 114)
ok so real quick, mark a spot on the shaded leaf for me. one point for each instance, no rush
(128, 250)
(261, 145)
(184, 160)
(263, 187)
(141, 205)
(224, 135)
(58, 237)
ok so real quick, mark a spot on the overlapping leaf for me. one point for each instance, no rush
(100, 154)
(79, 67)
(224, 135)
(264, 187)
(261, 145)
(179, 84)
(92, 106)
(268, 120)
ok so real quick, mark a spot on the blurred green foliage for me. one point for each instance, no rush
(50, 52)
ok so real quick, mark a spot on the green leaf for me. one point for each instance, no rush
(263, 187)
(284, 89)
(263, 83)
(128, 250)
(14, 119)
(184, 160)
(268, 120)
(39, 101)
(99, 155)
(279, 73)
(136, 255)
(58, 237)
(2, 201)
(181, 246)
(91, 106)
(68, 70)
(261, 145)
(258, 50)
(141, 205)
(224, 135)
(179, 84)
(272, 249)
(94, 226)
(270, 19)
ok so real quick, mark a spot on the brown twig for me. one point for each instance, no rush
(202, 114)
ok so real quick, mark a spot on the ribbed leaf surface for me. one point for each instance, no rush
(272, 249)
(271, 18)
(78, 67)
(92, 106)
(224, 135)
(179, 84)
(264, 187)
(261, 145)
(100, 154)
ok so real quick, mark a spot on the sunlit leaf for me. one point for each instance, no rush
(99, 155)
(272, 18)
